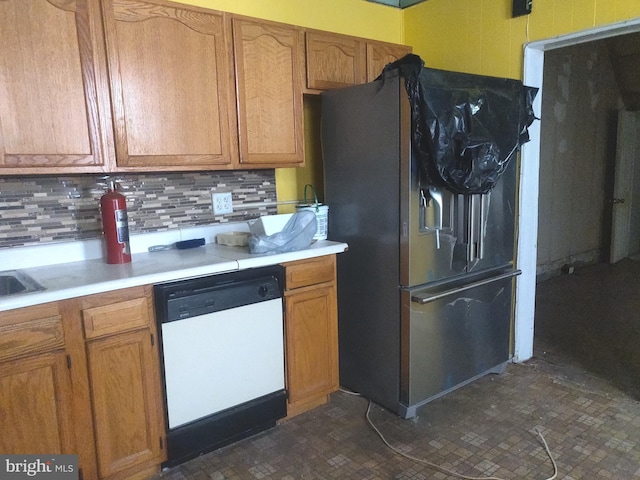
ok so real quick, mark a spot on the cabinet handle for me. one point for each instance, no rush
(69, 362)
(153, 342)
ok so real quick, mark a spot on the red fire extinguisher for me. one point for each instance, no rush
(115, 225)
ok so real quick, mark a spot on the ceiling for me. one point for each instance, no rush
(625, 58)
(398, 3)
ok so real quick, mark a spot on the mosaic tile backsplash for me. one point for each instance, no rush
(43, 209)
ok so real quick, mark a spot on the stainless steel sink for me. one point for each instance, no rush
(13, 282)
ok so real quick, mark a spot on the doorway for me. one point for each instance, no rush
(529, 180)
(625, 199)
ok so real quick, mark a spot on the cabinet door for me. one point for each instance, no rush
(125, 394)
(379, 54)
(169, 72)
(269, 93)
(35, 382)
(54, 112)
(311, 325)
(35, 405)
(334, 61)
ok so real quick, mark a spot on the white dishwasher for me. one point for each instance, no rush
(222, 345)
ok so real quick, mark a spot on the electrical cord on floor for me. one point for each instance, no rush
(438, 467)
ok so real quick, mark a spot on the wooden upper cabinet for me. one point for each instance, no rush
(380, 54)
(269, 76)
(338, 61)
(334, 61)
(170, 82)
(152, 85)
(54, 103)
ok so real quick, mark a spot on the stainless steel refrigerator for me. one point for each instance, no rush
(425, 289)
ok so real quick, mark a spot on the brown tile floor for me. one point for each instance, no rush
(590, 419)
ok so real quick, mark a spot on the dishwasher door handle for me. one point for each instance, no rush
(424, 298)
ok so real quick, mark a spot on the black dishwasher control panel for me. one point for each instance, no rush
(213, 293)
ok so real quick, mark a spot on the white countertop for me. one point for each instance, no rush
(91, 274)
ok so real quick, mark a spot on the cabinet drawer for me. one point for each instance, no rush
(310, 272)
(32, 330)
(115, 317)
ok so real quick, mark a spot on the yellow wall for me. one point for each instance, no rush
(349, 17)
(479, 36)
(290, 182)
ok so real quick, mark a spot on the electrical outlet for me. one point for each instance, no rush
(221, 203)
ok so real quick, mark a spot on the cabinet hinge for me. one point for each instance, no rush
(69, 362)
(153, 340)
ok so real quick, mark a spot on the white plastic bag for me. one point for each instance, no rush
(297, 234)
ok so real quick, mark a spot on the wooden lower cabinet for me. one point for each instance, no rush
(311, 333)
(35, 383)
(82, 376)
(124, 381)
(35, 405)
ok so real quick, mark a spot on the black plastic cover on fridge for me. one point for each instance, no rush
(466, 128)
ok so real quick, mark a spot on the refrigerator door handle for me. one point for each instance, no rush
(484, 198)
(424, 298)
(436, 195)
(435, 198)
(477, 208)
(471, 228)
(422, 211)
